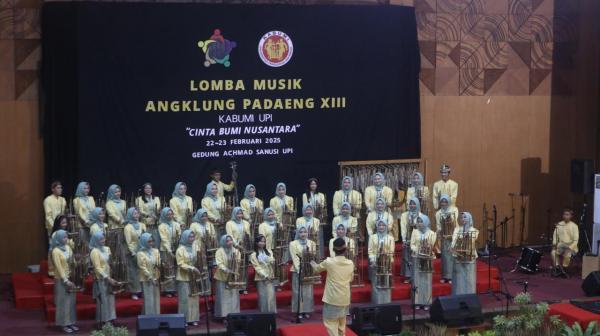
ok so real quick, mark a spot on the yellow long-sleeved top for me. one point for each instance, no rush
(149, 211)
(222, 187)
(269, 232)
(61, 260)
(263, 270)
(148, 267)
(318, 201)
(296, 249)
(340, 272)
(352, 225)
(411, 192)
(70, 243)
(354, 198)
(473, 232)
(132, 237)
(371, 196)
(82, 209)
(96, 228)
(405, 220)
(100, 263)
(248, 207)
(181, 209)
(168, 235)
(388, 244)
(440, 188)
(349, 245)
(213, 208)
(201, 233)
(116, 214)
(453, 211)
(566, 234)
(373, 217)
(314, 228)
(418, 238)
(222, 261)
(185, 262)
(231, 228)
(276, 204)
(53, 206)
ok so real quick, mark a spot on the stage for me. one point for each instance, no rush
(33, 312)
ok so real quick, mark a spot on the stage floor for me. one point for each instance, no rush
(540, 285)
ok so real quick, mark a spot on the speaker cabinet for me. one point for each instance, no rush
(165, 324)
(582, 176)
(385, 319)
(251, 324)
(591, 284)
(457, 310)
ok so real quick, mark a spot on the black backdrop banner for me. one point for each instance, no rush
(137, 92)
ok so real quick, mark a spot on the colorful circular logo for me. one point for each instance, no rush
(275, 48)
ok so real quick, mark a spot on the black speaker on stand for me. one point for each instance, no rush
(582, 176)
(384, 319)
(165, 324)
(591, 284)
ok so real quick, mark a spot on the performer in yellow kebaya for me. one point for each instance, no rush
(264, 275)
(381, 212)
(64, 300)
(115, 207)
(281, 202)
(103, 282)
(203, 230)
(421, 245)
(346, 194)
(564, 242)
(54, 205)
(169, 231)
(418, 190)
(148, 261)
(464, 269)
(297, 248)
(227, 300)
(251, 204)
(269, 227)
(341, 232)
(350, 223)
(149, 207)
(336, 297)
(83, 204)
(186, 259)
(133, 231)
(312, 225)
(97, 218)
(214, 206)
(445, 186)
(380, 245)
(60, 223)
(312, 195)
(237, 227)
(408, 221)
(378, 190)
(181, 204)
(222, 187)
(445, 240)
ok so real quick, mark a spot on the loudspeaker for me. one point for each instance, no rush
(166, 324)
(591, 284)
(457, 310)
(582, 176)
(382, 319)
(251, 324)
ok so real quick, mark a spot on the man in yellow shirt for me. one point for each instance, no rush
(445, 186)
(336, 298)
(222, 187)
(564, 242)
(54, 205)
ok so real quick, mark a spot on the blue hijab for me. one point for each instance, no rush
(95, 241)
(379, 187)
(417, 208)
(420, 179)
(304, 208)
(349, 179)
(346, 205)
(248, 187)
(110, 194)
(234, 212)
(383, 234)
(469, 221)
(266, 217)
(143, 242)
(131, 220)
(79, 192)
(426, 222)
(163, 216)
(178, 194)
(184, 240)
(198, 216)
(447, 198)
(280, 184)
(208, 193)
(57, 240)
(95, 217)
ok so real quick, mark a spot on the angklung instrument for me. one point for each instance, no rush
(424, 256)
(307, 275)
(463, 247)
(383, 271)
(115, 240)
(236, 278)
(200, 282)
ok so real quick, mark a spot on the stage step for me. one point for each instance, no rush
(27, 290)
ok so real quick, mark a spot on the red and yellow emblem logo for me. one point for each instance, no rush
(275, 48)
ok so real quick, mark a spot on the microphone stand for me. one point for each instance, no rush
(491, 243)
(299, 296)
(413, 289)
(582, 221)
(206, 294)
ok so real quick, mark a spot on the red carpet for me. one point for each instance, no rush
(571, 314)
(312, 329)
(34, 291)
